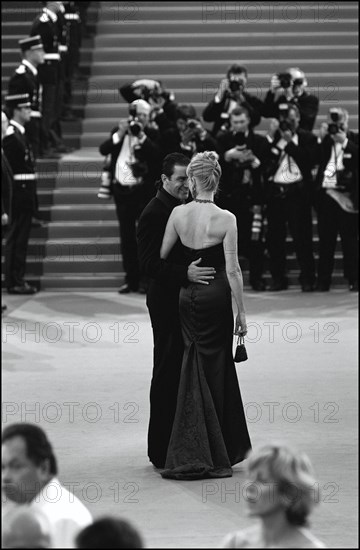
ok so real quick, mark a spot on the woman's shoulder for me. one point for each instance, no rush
(247, 538)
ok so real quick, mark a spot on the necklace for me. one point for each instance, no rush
(203, 200)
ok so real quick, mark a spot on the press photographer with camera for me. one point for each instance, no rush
(243, 155)
(134, 168)
(230, 94)
(290, 87)
(337, 198)
(189, 136)
(289, 185)
(162, 101)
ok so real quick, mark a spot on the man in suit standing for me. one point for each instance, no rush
(6, 187)
(289, 187)
(134, 167)
(337, 198)
(166, 279)
(20, 158)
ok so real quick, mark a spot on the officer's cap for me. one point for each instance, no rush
(30, 43)
(16, 101)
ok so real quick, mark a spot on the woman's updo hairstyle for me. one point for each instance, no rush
(204, 167)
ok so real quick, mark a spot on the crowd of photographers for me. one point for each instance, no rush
(270, 182)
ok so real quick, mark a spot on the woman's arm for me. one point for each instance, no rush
(170, 236)
(233, 271)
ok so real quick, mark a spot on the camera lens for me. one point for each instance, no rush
(135, 128)
(234, 85)
(333, 128)
(285, 80)
(191, 125)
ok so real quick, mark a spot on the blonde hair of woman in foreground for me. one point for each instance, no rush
(282, 493)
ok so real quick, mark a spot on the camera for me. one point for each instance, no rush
(135, 126)
(335, 125)
(155, 95)
(235, 85)
(284, 123)
(239, 139)
(285, 80)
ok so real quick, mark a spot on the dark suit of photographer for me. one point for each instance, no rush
(162, 102)
(337, 199)
(231, 94)
(134, 168)
(289, 185)
(188, 137)
(243, 155)
(289, 88)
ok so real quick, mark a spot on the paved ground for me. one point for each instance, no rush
(80, 365)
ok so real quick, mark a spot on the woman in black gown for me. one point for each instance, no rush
(209, 434)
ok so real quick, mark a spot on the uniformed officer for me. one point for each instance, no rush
(46, 25)
(25, 80)
(71, 58)
(19, 155)
(6, 189)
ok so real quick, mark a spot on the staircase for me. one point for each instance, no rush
(187, 45)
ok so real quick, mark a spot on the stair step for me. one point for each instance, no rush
(98, 212)
(95, 229)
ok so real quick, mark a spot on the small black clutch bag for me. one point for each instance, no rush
(240, 353)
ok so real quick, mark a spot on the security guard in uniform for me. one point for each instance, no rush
(45, 25)
(25, 80)
(19, 155)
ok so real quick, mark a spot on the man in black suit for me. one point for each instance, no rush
(166, 278)
(243, 156)
(232, 94)
(6, 187)
(20, 158)
(337, 198)
(134, 168)
(289, 185)
(290, 87)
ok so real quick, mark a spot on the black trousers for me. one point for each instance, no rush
(130, 202)
(240, 205)
(168, 355)
(16, 247)
(292, 210)
(332, 221)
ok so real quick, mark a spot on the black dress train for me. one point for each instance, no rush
(209, 434)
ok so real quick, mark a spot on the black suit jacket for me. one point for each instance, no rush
(148, 153)
(170, 274)
(304, 154)
(19, 155)
(217, 112)
(232, 172)
(348, 179)
(307, 104)
(6, 186)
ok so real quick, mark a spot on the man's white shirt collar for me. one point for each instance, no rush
(30, 66)
(51, 14)
(18, 126)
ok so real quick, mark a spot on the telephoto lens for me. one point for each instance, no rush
(234, 85)
(135, 128)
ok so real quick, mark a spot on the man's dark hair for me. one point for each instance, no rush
(109, 532)
(37, 444)
(185, 111)
(170, 161)
(240, 111)
(236, 69)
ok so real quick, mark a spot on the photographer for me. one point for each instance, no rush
(289, 185)
(162, 102)
(337, 199)
(290, 87)
(231, 94)
(134, 168)
(189, 136)
(243, 155)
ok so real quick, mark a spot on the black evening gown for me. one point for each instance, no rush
(209, 433)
